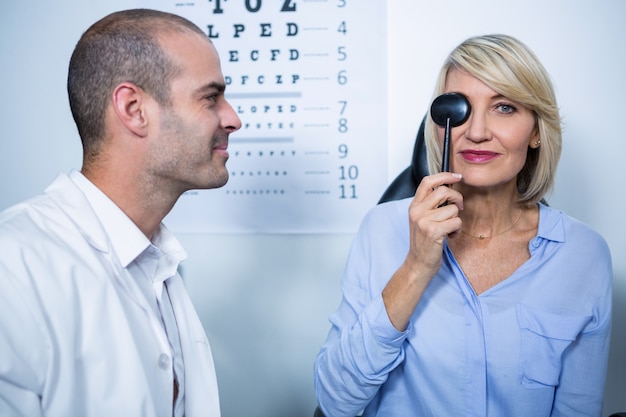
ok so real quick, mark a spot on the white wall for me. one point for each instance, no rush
(266, 322)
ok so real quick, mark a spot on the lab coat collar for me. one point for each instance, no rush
(71, 200)
(111, 225)
(127, 240)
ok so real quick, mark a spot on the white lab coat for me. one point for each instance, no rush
(68, 335)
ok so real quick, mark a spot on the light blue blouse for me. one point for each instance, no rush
(536, 344)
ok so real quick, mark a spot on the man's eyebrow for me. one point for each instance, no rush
(220, 87)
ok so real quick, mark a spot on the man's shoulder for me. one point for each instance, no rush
(39, 226)
(26, 216)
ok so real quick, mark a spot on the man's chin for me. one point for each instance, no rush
(218, 181)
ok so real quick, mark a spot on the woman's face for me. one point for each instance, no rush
(490, 148)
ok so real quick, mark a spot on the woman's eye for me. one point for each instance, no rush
(505, 108)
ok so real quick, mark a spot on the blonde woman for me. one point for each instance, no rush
(494, 304)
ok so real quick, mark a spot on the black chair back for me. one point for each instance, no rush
(405, 184)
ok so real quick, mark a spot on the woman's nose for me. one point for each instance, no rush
(476, 127)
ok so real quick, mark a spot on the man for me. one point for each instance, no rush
(95, 318)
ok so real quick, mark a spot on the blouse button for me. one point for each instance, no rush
(164, 361)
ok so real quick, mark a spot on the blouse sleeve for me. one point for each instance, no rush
(362, 347)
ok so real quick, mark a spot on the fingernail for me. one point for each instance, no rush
(457, 175)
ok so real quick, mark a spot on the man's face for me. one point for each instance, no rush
(190, 151)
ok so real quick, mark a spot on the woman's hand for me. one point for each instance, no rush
(433, 215)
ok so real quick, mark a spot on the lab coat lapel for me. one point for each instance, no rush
(73, 202)
(201, 394)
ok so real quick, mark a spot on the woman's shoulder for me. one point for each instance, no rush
(387, 214)
(556, 224)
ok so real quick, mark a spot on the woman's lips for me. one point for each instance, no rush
(476, 156)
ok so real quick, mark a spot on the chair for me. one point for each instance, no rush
(406, 182)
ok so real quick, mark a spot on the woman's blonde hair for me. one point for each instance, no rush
(511, 69)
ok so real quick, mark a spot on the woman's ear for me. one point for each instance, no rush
(129, 105)
(535, 139)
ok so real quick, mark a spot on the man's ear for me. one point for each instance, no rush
(129, 104)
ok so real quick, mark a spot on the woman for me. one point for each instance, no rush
(493, 304)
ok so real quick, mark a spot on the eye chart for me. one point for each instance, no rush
(307, 79)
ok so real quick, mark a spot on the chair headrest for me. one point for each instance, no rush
(419, 163)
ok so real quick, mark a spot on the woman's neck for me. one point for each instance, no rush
(487, 214)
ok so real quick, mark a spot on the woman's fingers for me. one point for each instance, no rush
(431, 221)
(431, 182)
(435, 208)
(443, 196)
(433, 190)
